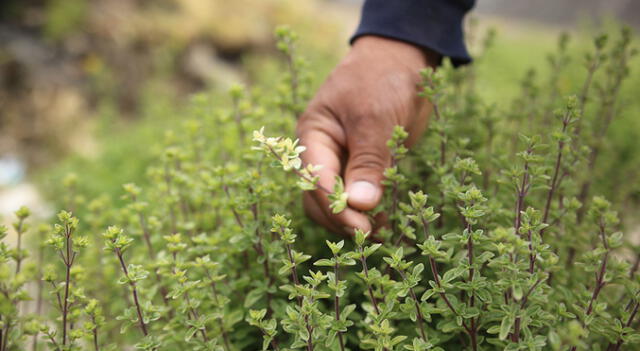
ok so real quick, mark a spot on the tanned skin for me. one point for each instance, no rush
(349, 121)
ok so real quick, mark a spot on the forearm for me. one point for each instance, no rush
(435, 25)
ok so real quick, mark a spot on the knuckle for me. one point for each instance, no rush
(309, 122)
(368, 158)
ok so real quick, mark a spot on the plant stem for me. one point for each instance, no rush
(95, 334)
(258, 247)
(584, 93)
(436, 276)
(336, 302)
(296, 282)
(192, 311)
(68, 259)
(5, 341)
(607, 113)
(53, 341)
(152, 256)
(134, 292)
(416, 302)
(443, 155)
(617, 346)
(273, 342)
(294, 271)
(196, 316)
(556, 172)
(19, 231)
(225, 337)
(65, 306)
(393, 213)
(34, 345)
(522, 193)
(600, 282)
(365, 268)
(516, 328)
(310, 331)
(145, 230)
(634, 268)
(472, 299)
(261, 251)
(532, 255)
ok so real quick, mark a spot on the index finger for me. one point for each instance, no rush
(323, 149)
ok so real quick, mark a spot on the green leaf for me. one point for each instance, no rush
(323, 262)
(252, 297)
(369, 250)
(505, 327)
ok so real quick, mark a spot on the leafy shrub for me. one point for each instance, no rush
(495, 240)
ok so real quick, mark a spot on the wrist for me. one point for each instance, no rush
(412, 55)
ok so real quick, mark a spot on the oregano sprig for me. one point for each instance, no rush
(341, 323)
(287, 153)
(66, 244)
(118, 242)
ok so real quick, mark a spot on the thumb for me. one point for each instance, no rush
(368, 157)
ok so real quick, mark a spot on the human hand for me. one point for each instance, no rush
(348, 123)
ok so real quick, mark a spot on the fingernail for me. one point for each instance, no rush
(363, 191)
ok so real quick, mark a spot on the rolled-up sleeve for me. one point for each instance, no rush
(431, 24)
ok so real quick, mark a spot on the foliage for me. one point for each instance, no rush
(64, 18)
(495, 240)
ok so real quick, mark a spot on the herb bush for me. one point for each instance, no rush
(495, 239)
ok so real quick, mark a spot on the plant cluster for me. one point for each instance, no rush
(495, 239)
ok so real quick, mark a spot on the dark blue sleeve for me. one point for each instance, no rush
(431, 24)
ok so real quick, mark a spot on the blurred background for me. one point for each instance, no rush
(89, 86)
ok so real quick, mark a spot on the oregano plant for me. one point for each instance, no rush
(497, 234)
